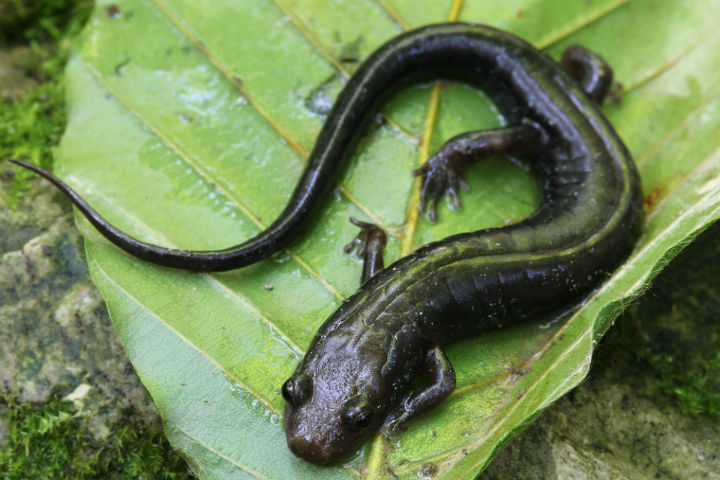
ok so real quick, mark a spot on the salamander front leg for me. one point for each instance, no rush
(589, 70)
(371, 243)
(441, 384)
(443, 171)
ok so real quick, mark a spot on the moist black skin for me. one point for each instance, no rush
(356, 375)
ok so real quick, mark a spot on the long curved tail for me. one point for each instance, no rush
(257, 248)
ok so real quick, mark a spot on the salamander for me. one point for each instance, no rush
(358, 373)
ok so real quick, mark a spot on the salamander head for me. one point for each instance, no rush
(335, 398)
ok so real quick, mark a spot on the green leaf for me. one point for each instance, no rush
(190, 122)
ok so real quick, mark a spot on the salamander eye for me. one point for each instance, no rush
(297, 389)
(358, 414)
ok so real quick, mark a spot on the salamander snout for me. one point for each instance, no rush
(313, 435)
(337, 397)
(310, 426)
(308, 450)
(325, 416)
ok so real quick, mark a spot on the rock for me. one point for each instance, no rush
(55, 330)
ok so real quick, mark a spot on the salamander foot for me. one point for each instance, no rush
(370, 243)
(441, 174)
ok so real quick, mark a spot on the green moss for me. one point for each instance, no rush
(50, 442)
(54, 440)
(694, 385)
(40, 20)
(673, 331)
(31, 127)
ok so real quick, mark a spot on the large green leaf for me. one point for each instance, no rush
(190, 122)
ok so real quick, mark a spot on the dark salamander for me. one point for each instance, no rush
(357, 374)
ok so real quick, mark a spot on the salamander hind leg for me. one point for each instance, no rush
(589, 70)
(370, 243)
(442, 173)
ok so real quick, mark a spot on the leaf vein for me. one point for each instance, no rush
(673, 61)
(214, 451)
(680, 125)
(182, 25)
(205, 175)
(413, 204)
(187, 341)
(392, 13)
(584, 22)
(307, 33)
(239, 298)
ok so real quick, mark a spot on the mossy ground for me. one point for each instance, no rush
(54, 440)
(671, 335)
(50, 442)
(37, 36)
(673, 332)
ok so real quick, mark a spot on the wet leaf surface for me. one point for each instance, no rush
(189, 124)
